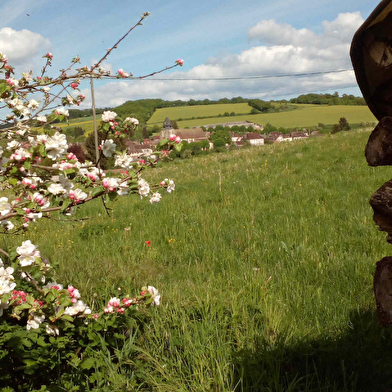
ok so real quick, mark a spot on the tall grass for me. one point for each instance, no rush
(264, 258)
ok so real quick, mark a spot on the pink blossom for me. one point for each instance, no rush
(74, 85)
(180, 62)
(115, 302)
(172, 138)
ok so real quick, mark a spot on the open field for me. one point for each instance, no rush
(266, 279)
(197, 111)
(304, 116)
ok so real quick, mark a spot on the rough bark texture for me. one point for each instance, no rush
(381, 202)
(382, 286)
(378, 150)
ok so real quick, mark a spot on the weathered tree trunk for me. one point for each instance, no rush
(378, 150)
(371, 55)
(382, 286)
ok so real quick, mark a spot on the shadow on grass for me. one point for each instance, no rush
(359, 359)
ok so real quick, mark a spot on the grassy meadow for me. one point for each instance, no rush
(264, 258)
(175, 113)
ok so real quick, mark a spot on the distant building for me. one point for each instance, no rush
(254, 138)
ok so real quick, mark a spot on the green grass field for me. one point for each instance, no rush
(197, 111)
(304, 116)
(264, 258)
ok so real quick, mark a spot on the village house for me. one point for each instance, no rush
(138, 150)
(189, 135)
(254, 138)
(235, 137)
(298, 135)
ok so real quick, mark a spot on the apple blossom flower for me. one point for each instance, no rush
(170, 185)
(144, 188)
(33, 104)
(27, 253)
(46, 89)
(5, 206)
(42, 119)
(34, 321)
(110, 183)
(77, 195)
(56, 145)
(114, 301)
(180, 62)
(155, 295)
(132, 120)
(62, 112)
(108, 147)
(52, 330)
(155, 198)
(56, 189)
(12, 145)
(7, 225)
(6, 280)
(108, 116)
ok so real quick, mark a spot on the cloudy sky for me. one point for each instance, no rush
(250, 42)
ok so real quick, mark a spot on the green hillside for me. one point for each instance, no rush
(176, 113)
(303, 116)
(265, 260)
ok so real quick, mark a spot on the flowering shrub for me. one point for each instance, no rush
(39, 318)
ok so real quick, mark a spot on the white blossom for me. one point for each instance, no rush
(170, 185)
(108, 147)
(56, 145)
(6, 280)
(34, 321)
(144, 188)
(5, 206)
(62, 111)
(108, 116)
(155, 295)
(56, 189)
(155, 198)
(52, 330)
(132, 120)
(33, 104)
(7, 225)
(42, 119)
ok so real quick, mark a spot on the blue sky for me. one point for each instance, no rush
(215, 38)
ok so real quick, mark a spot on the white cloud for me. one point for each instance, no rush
(22, 47)
(283, 50)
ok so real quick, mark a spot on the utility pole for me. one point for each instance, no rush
(95, 123)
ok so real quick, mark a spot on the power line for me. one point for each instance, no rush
(302, 74)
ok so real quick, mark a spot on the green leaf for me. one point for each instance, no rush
(42, 150)
(98, 191)
(162, 143)
(13, 181)
(66, 203)
(87, 363)
(29, 362)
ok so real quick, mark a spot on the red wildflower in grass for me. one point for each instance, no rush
(148, 243)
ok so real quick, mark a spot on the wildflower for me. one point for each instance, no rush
(148, 243)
